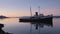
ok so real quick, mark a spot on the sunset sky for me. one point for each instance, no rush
(15, 8)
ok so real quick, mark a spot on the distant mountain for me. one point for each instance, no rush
(3, 16)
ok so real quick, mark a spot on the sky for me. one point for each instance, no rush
(16, 8)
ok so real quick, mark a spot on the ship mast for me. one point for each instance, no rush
(39, 9)
(30, 11)
(30, 8)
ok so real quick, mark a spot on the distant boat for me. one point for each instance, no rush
(56, 16)
(36, 18)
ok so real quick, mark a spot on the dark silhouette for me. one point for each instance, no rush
(56, 16)
(36, 18)
(1, 31)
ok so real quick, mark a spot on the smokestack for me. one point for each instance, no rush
(36, 13)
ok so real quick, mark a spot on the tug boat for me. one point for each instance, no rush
(37, 18)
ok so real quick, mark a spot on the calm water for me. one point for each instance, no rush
(12, 25)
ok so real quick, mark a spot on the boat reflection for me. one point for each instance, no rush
(1, 31)
(41, 24)
(37, 25)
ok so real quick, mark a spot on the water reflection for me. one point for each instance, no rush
(38, 25)
(12, 25)
(41, 25)
(1, 31)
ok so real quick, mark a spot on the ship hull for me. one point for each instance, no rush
(49, 19)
